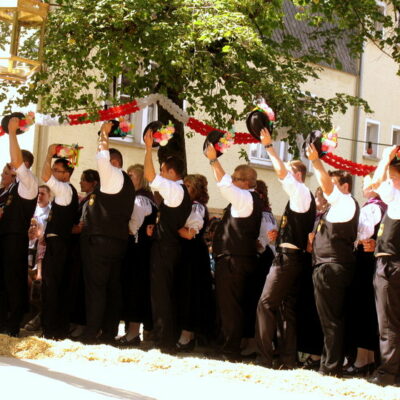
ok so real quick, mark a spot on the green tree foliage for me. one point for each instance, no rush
(219, 55)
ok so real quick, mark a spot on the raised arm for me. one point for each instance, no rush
(322, 176)
(103, 138)
(149, 170)
(211, 154)
(15, 151)
(277, 163)
(382, 171)
(46, 171)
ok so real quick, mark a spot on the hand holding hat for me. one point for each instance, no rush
(262, 117)
(24, 122)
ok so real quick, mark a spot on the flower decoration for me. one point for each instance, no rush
(267, 110)
(2, 131)
(329, 140)
(164, 134)
(26, 122)
(124, 127)
(225, 142)
(69, 152)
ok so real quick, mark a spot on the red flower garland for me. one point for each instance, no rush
(204, 129)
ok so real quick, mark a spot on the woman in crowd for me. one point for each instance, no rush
(89, 180)
(196, 308)
(362, 334)
(266, 253)
(136, 267)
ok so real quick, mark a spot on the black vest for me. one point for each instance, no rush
(61, 218)
(17, 213)
(389, 236)
(148, 220)
(295, 227)
(109, 214)
(171, 219)
(334, 242)
(238, 236)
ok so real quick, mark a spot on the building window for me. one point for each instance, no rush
(371, 138)
(140, 119)
(258, 154)
(382, 10)
(396, 135)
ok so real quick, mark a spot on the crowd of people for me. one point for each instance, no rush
(140, 247)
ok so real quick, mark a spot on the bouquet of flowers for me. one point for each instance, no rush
(329, 140)
(225, 142)
(164, 134)
(124, 128)
(267, 110)
(69, 152)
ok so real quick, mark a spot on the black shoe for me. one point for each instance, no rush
(124, 342)
(310, 364)
(185, 348)
(383, 379)
(364, 371)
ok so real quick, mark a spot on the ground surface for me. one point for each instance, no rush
(33, 368)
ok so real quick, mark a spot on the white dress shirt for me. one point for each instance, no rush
(42, 214)
(370, 216)
(391, 196)
(268, 223)
(298, 192)
(171, 191)
(342, 206)
(62, 191)
(141, 210)
(195, 220)
(111, 178)
(28, 183)
(241, 199)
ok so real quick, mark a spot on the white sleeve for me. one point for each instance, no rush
(370, 216)
(241, 199)
(299, 194)
(62, 191)
(387, 191)
(342, 207)
(171, 191)
(28, 183)
(195, 220)
(111, 178)
(141, 209)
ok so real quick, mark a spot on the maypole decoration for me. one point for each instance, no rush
(200, 127)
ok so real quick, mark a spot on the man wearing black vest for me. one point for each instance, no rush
(333, 259)
(166, 250)
(14, 224)
(278, 299)
(57, 234)
(387, 275)
(103, 241)
(235, 248)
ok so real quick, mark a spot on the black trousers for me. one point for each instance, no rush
(232, 277)
(331, 281)
(277, 309)
(102, 262)
(55, 282)
(13, 281)
(164, 265)
(387, 296)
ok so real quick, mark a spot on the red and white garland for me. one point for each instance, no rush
(193, 123)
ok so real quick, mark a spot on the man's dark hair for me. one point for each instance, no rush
(116, 155)
(343, 177)
(28, 157)
(91, 175)
(177, 164)
(66, 165)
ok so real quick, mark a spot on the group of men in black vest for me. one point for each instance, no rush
(105, 232)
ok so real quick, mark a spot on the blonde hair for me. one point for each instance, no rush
(138, 169)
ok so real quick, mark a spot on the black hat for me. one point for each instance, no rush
(6, 120)
(114, 128)
(213, 138)
(256, 121)
(315, 138)
(154, 126)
